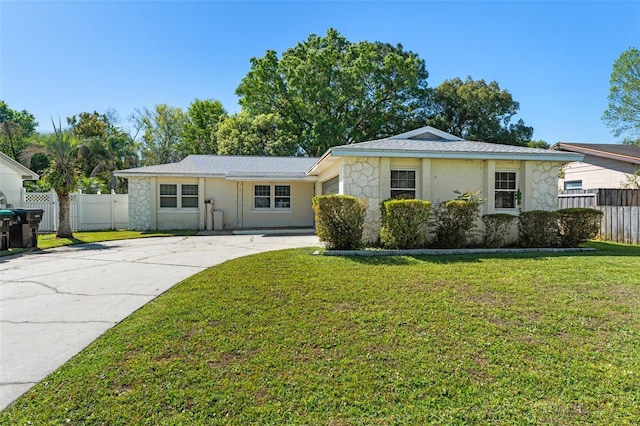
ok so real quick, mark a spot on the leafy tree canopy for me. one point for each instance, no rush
(15, 129)
(201, 126)
(538, 144)
(476, 110)
(263, 134)
(329, 91)
(106, 147)
(623, 112)
(162, 134)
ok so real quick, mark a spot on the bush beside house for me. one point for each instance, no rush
(405, 224)
(339, 220)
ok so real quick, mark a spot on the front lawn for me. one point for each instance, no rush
(291, 338)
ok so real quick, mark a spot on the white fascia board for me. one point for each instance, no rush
(427, 129)
(271, 178)
(565, 157)
(168, 174)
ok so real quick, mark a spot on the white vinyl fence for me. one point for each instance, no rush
(88, 212)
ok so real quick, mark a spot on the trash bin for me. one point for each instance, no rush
(23, 232)
(6, 217)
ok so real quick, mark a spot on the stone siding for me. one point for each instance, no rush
(362, 180)
(140, 204)
(545, 186)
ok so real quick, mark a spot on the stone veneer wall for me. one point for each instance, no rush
(140, 204)
(545, 186)
(362, 180)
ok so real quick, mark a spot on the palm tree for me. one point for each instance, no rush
(62, 174)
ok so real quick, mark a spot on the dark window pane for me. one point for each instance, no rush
(189, 189)
(505, 199)
(189, 201)
(262, 202)
(168, 189)
(168, 202)
(262, 191)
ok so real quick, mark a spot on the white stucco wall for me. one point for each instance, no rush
(10, 184)
(438, 179)
(300, 215)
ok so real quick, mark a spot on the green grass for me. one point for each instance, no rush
(291, 338)
(46, 241)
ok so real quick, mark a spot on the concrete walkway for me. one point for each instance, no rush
(54, 303)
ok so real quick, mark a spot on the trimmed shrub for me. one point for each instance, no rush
(496, 228)
(538, 228)
(453, 221)
(339, 220)
(404, 223)
(577, 225)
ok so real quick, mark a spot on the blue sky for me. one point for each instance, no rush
(554, 57)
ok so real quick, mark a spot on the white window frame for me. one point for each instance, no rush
(572, 185)
(513, 191)
(179, 197)
(407, 189)
(276, 197)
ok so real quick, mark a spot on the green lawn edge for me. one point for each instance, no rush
(466, 339)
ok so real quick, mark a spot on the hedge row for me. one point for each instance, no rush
(405, 223)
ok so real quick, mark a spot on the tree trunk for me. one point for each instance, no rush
(64, 224)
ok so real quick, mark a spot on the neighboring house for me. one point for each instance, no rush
(264, 192)
(12, 175)
(603, 166)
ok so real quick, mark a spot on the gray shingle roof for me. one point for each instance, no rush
(459, 149)
(629, 153)
(229, 166)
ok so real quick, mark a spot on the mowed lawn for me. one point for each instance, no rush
(290, 337)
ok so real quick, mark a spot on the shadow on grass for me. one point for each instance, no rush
(602, 248)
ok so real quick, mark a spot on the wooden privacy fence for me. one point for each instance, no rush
(621, 209)
(88, 212)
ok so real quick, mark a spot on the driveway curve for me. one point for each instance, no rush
(54, 303)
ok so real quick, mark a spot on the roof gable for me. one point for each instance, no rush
(427, 133)
(23, 171)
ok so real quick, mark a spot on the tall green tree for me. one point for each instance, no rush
(477, 110)
(201, 126)
(245, 134)
(106, 147)
(329, 91)
(623, 112)
(61, 147)
(15, 129)
(162, 134)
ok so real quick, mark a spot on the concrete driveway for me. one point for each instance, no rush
(54, 303)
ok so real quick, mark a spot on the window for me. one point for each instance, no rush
(403, 184)
(272, 197)
(170, 194)
(189, 195)
(262, 196)
(572, 184)
(506, 190)
(283, 197)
